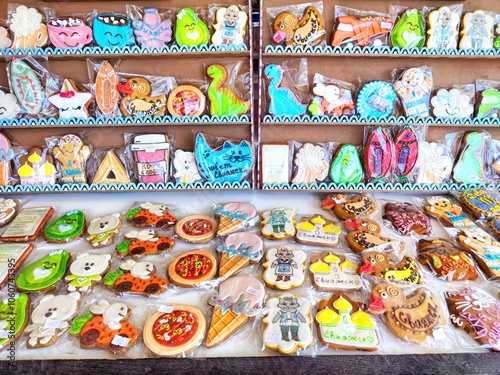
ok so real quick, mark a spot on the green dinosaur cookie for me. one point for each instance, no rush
(14, 312)
(43, 273)
(409, 31)
(346, 167)
(65, 228)
(190, 30)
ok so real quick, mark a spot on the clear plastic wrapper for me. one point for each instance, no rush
(409, 28)
(349, 206)
(448, 211)
(317, 230)
(5, 35)
(331, 97)
(103, 83)
(28, 27)
(235, 217)
(488, 99)
(407, 140)
(193, 270)
(285, 267)
(108, 167)
(407, 219)
(36, 166)
(102, 230)
(276, 165)
(9, 208)
(311, 163)
(230, 24)
(188, 98)
(346, 166)
(377, 99)
(66, 227)
(191, 28)
(355, 27)
(70, 98)
(184, 168)
(434, 163)
(378, 153)
(494, 159)
(139, 243)
(7, 157)
(334, 271)
(10, 106)
(152, 27)
(443, 25)
(414, 87)
(86, 271)
(70, 31)
(151, 214)
(112, 30)
(456, 101)
(27, 225)
(298, 25)
(477, 30)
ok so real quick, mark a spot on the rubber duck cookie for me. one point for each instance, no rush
(230, 24)
(282, 101)
(309, 31)
(409, 30)
(223, 101)
(28, 28)
(71, 102)
(106, 93)
(477, 30)
(152, 31)
(137, 101)
(10, 107)
(190, 30)
(414, 89)
(112, 31)
(376, 99)
(69, 32)
(26, 87)
(5, 37)
(443, 28)
(403, 273)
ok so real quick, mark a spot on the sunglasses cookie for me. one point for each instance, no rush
(331, 272)
(308, 31)
(102, 230)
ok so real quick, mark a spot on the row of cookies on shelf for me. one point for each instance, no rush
(37, 93)
(147, 27)
(445, 27)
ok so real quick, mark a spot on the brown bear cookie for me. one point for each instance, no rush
(8, 210)
(349, 207)
(407, 219)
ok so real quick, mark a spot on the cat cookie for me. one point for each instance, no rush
(317, 230)
(349, 206)
(230, 25)
(28, 28)
(69, 32)
(66, 228)
(284, 268)
(451, 213)
(71, 102)
(331, 272)
(196, 228)
(72, 153)
(86, 271)
(102, 230)
(192, 268)
(407, 219)
(403, 273)
(278, 224)
(43, 274)
(152, 31)
(144, 242)
(138, 102)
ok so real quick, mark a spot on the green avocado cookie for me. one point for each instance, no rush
(44, 273)
(190, 30)
(66, 228)
(14, 317)
(409, 31)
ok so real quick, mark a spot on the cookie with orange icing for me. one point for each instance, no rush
(192, 268)
(196, 228)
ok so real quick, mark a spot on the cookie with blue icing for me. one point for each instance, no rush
(495, 225)
(482, 203)
(282, 101)
(376, 99)
(112, 30)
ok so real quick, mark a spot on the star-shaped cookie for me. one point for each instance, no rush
(70, 102)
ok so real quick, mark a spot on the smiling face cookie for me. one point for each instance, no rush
(86, 271)
(102, 230)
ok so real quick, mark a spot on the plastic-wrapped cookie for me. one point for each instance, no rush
(407, 219)
(402, 273)
(8, 210)
(331, 272)
(65, 228)
(278, 224)
(19, 307)
(349, 206)
(196, 228)
(284, 268)
(43, 274)
(192, 268)
(27, 225)
(317, 230)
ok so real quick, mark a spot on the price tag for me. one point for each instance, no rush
(165, 309)
(271, 338)
(52, 324)
(120, 341)
(251, 290)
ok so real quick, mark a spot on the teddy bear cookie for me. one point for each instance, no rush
(144, 242)
(27, 224)
(66, 228)
(192, 268)
(51, 318)
(238, 251)
(284, 268)
(450, 212)
(278, 224)
(235, 216)
(230, 25)
(138, 102)
(102, 230)
(8, 210)
(136, 278)
(149, 214)
(186, 171)
(403, 273)
(72, 154)
(86, 271)
(407, 219)
(317, 230)
(71, 102)
(196, 228)
(331, 272)
(342, 324)
(14, 316)
(288, 324)
(28, 28)
(484, 249)
(43, 274)
(349, 207)
(105, 326)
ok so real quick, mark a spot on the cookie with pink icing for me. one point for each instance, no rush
(407, 219)
(238, 300)
(69, 32)
(238, 251)
(5, 39)
(235, 216)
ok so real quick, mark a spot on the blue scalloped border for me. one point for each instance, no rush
(383, 50)
(129, 50)
(388, 120)
(376, 186)
(148, 120)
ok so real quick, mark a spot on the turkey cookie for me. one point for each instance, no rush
(332, 272)
(449, 212)
(413, 318)
(482, 203)
(309, 31)
(37, 167)
(284, 268)
(71, 102)
(343, 325)
(196, 228)
(14, 255)
(312, 165)
(223, 101)
(72, 154)
(66, 228)
(28, 28)
(349, 207)
(136, 278)
(174, 333)
(238, 251)
(230, 25)
(112, 30)
(235, 216)
(186, 100)
(43, 274)
(138, 102)
(403, 273)
(278, 224)
(446, 260)
(477, 30)
(106, 93)
(14, 316)
(105, 326)
(476, 312)
(144, 242)
(51, 318)
(8, 210)
(102, 230)
(407, 219)
(27, 225)
(26, 86)
(192, 268)
(10, 107)
(149, 214)
(69, 32)
(190, 30)
(152, 31)
(484, 249)
(288, 324)
(316, 230)
(86, 271)
(442, 29)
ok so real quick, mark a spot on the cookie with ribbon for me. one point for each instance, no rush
(443, 23)
(28, 28)
(477, 30)
(69, 32)
(223, 101)
(308, 31)
(152, 31)
(312, 164)
(26, 86)
(414, 90)
(190, 30)
(409, 30)
(282, 101)
(376, 99)
(112, 30)
(138, 101)
(230, 25)
(71, 102)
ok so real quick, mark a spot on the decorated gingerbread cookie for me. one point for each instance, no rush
(43, 274)
(414, 90)
(434, 165)
(112, 30)
(230, 25)
(376, 99)
(349, 206)
(186, 171)
(378, 155)
(8, 210)
(409, 30)
(495, 225)
(308, 31)
(150, 214)
(331, 100)
(482, 203)
(69, 32)
(175, 332)
(282, 101)
(13, 256)
(361, 30)
(66, 228)
(26, 86)
(342, 324)
(288, 324)
(51, 318)
(239, 251)
(284, 268)
(136, 278)
(27, 225)
(235, 216)
(365, 234)
(413, 318)
(405, 153)
(37, 167)
(138, 101)
(152, 157)
(190, 30)
(489, 105)
(71, 102)
(192, 268)
(346, 166)
(223, 101)
(14, 316)
(5, 37)
(407, 219)
(317, 230)
(477, 30)
(86, 271)
(484, 249)
(278, 224)
(152, 31)
(28, 28)
(72, 153)
(402, 273)
(106, 92)
(450, 212)
(332, 272)
(105, 326)
(311, 162)
(111, 171)
(442, 29)
(470, 165)
(139, 243)
(186, 100)
(453, 103)
(102, 230)
(10, 107)
(196, 228)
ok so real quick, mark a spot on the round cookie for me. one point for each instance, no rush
(192, 268)
(196, 228)
(186, 100)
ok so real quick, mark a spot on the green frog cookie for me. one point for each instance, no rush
(14, 312)
(66, 228)
(44, 273)
(190, 30)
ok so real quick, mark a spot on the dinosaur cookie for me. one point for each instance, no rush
(308, 31)
(27, 224)
(482, 203)
(26, 86)
(442, 29)
(13, 255)
(144, 242)
(66, 228)
(102, 230)
(112, 30)
(152, 31)
(150, 214)
(407, 219)
(284, 268)
(72, 154)
(14, 316)
(342, 324)
(186, 100)
(28, 28)
(69, 32)
(451, 213)
(316, 230)
(196, 228)
(223, 101)
(470, 166)
(484, 249)
(235, 216)
(86, 271)
(346, 166)
(403, 273)
(136, 278)
(138, 102)
(239, 251)
(332, 272)
(192, 268)
(413, 318)
(446, 260)
(43, 274)
(106, 92)
(278, 224)
(230, 25)
(105, 326)
(312, 164)
(8, 210)
(288, 324)
(71, 102)
(349, 206)
(409, 30)
(282, 101)
(190, 30)
(152, 157)
(365, 234)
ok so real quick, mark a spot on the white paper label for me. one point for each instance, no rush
(345, 27)
(52, 324)
(4, 334)
(165, 309)
(386, 25)
(120, 341)
(439, 334)
(271, 338)
(251, 290)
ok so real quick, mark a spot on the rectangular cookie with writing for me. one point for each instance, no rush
(27, 225)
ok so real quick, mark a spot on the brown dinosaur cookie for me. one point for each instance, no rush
(349, 207)
(407, 219)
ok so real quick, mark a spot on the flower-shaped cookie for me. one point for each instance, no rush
(452, 103)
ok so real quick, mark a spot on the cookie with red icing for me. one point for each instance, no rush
(196, 228)
(191, 268)
(407, 219)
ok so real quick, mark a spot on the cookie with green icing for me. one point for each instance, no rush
(190, 30)
(14, 316)
(44, 273)
(409, 31)
(66, 228)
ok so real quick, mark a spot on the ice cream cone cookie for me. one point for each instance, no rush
(332, 272)
(196, 228)
(234, 216)
(317, 230)
(278, 224)
(284, 268)
(28, 28)
(238, 251)
(175, 333)
(192, 268)
(71, 102)
(288, 324)
(238, 300)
